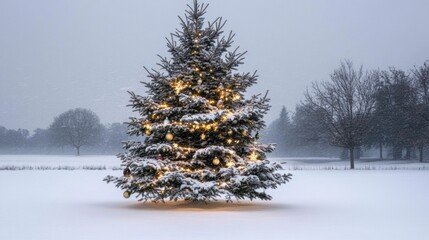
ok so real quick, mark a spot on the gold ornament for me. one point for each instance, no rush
(216, 161)
(199, 81)
(230, 132)
(169, 136)
(126, 194)
(148, 132)
(244, 132)
(203, 136)
(229, 141)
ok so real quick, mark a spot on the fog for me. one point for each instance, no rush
(58, 55)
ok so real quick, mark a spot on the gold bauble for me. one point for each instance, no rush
(126, 194)
(244, 132)
(148, 132)
(169, 136)
(203, 136)
(216, 161)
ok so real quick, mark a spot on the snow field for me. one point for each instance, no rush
(314, 205)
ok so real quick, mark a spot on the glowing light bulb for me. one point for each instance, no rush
(253, 156)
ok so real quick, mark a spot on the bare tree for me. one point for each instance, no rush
(77, 127)
(421, 81)
(346, 102)
(421, 84)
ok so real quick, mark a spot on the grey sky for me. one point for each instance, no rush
(56, 55)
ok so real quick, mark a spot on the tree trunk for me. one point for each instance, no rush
(413, 153)
(397, 152)
(352, 158)
(381, 151)
(78, 151)
(421, 153)
(408, 153)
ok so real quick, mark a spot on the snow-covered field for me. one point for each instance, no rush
(361, 204)
(68, 162)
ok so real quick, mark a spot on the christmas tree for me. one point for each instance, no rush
(200, 133)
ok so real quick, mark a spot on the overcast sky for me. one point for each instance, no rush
(56, 55)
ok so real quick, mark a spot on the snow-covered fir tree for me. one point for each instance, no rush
(201, 133)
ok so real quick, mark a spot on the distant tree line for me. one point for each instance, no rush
(357, 110)
(69, 133)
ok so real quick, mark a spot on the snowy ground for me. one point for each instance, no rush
(65, 162)
(361, 204)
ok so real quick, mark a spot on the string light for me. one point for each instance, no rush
(179, 85)
(253, 156)
(164, 106)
